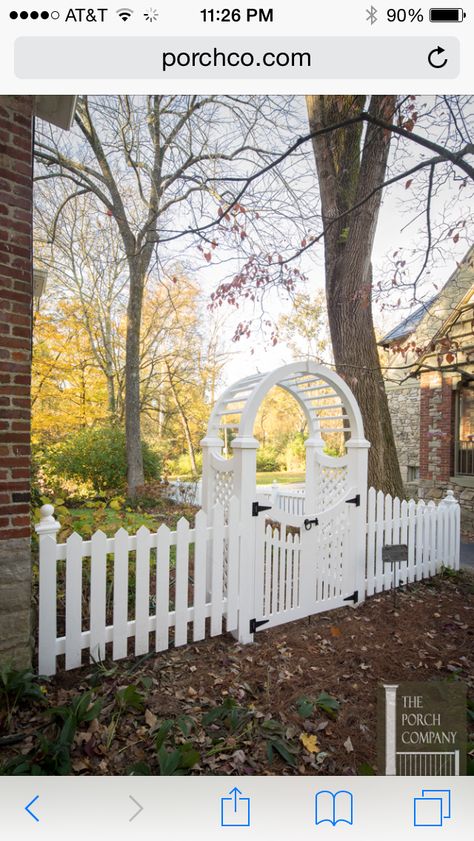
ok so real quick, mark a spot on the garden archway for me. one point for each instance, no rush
(317, 553)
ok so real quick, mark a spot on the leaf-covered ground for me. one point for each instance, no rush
(301, 700)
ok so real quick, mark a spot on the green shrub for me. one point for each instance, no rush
(295, 453)
(269, 460)
(97, 456)
(181, 466)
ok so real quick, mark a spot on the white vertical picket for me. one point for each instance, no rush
(98, 595)
(275, 570)
(233, 546)
(456, 535)
(142, 592)
(411, 530)
(396, 521)
(47, 619)
(217, 578)
(289, 570)
(388, 540)
(453, 549)
(200, 563)
(432, 537)
(268, 571)
(282, 553)
(379, 540)
(73, 601)
(163, 541)
(404, 522)
(182, 581)
(120, 611)
(426, 543)
(297, 571)
(370, 552)
(420, 514)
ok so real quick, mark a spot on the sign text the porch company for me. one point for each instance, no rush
(422, 729)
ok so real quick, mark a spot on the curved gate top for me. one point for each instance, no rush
(312, 385)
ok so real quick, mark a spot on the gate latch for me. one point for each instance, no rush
(254, 624)
(354, 598)
(256, 508)
(309, 523)
(355, 500)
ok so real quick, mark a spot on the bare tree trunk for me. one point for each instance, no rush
(135, 474)
(184, 422)
(346, 175)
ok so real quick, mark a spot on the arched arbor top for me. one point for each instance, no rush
(326, 400)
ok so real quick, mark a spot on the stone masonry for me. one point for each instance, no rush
(16, 189)
(404, 405)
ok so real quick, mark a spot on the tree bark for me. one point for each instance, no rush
(135, 473)
(184, 422)
(348, 169)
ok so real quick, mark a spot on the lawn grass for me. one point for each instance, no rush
(283, 478)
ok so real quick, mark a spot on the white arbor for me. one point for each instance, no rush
(321, 553)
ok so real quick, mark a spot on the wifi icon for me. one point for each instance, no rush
(125, 14)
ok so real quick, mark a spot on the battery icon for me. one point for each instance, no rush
(447, 15)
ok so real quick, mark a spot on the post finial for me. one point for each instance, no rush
(48, 523)
(450, 499)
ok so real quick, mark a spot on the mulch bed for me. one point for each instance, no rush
(346, 653)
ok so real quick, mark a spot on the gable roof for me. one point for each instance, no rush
(408, 325)
(430, 320)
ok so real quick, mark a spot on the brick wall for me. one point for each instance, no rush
(436, 426)
(16, 134)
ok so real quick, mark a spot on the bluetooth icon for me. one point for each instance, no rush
(372, 15)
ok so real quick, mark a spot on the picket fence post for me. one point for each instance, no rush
(47, 530)
(450, 512)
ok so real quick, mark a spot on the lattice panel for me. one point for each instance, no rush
(331, 485)
(223, 488)
(331, 549)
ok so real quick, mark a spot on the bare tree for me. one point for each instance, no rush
(146, 160)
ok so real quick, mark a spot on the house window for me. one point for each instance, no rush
(465, 431)
(413, 472)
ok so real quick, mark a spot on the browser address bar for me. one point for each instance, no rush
(236, 58)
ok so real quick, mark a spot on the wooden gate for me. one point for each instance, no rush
(304, 563)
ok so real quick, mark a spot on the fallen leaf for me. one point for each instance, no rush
(348, 745)
(310, 743)
(151, 719)
(335, 631)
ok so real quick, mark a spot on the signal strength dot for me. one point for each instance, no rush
(125, 14)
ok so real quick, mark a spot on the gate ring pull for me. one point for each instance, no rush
(309, 523)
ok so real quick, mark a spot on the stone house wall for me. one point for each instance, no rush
(16, 202)
(404, 405)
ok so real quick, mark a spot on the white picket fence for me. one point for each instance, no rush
(196, 579)
(291, 501)
(431, 532)
(188, 580)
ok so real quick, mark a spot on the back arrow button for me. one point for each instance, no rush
(28, 808)
(432, 58)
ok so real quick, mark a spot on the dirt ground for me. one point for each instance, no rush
(346, 653)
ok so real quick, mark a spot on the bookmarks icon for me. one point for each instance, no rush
(334, 807)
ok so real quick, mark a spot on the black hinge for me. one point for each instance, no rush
(308, 523)
(253, 624)
(355, 500)
(354, 598)
(256, 508)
